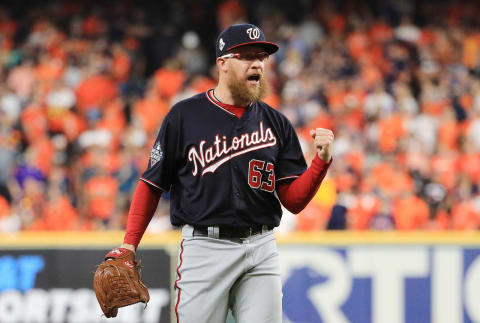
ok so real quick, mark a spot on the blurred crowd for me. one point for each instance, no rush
(84, 88)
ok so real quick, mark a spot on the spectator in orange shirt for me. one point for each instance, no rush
(313, 218)
(230, 12)
(169, 80)
(58, 213)
(410, 213)
(445, 165)
(449, 130)
(94, 92)
(358, 41)
(121, 64)
(363, 211)
(392, 179)
(391, 131)
(150, 110)
(99, 197)
(49, 69)
(380, 31)
(113, 118)
(465, 216)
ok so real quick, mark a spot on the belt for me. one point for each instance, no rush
(229, 232)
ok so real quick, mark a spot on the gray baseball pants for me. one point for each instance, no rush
(214, 275)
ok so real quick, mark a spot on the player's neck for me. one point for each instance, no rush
(223, 94)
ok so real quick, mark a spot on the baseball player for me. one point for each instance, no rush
(229, 160)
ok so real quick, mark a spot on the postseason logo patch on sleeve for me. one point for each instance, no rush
(156, 155)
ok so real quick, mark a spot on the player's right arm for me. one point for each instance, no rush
(156, 179)
(144, 203)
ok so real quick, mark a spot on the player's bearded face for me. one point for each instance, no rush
(244, 91)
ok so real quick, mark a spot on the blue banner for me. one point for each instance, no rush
(56, 286)
(378, 284)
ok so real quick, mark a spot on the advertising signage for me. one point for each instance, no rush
(378, 284)
(56, 286)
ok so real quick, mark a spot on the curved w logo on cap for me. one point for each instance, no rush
(253, 33)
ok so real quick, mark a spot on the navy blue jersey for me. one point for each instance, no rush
(220, 169)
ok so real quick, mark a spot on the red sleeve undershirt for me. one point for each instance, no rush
(294, 195)
(143, 206)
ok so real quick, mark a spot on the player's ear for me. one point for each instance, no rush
(221, 64)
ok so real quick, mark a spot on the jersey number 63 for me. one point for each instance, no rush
(255, 175)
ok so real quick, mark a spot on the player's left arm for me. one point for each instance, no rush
(295, 195)
(323, 140)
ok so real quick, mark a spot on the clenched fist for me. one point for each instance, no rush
(323, 143)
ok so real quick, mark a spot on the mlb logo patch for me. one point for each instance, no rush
(156, 155)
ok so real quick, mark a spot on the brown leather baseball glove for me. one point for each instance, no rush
(117, 282)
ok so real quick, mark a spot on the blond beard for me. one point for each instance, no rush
(242, 95)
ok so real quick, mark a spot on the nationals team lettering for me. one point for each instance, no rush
(219, 153)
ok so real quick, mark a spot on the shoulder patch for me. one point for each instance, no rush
(156, 155)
